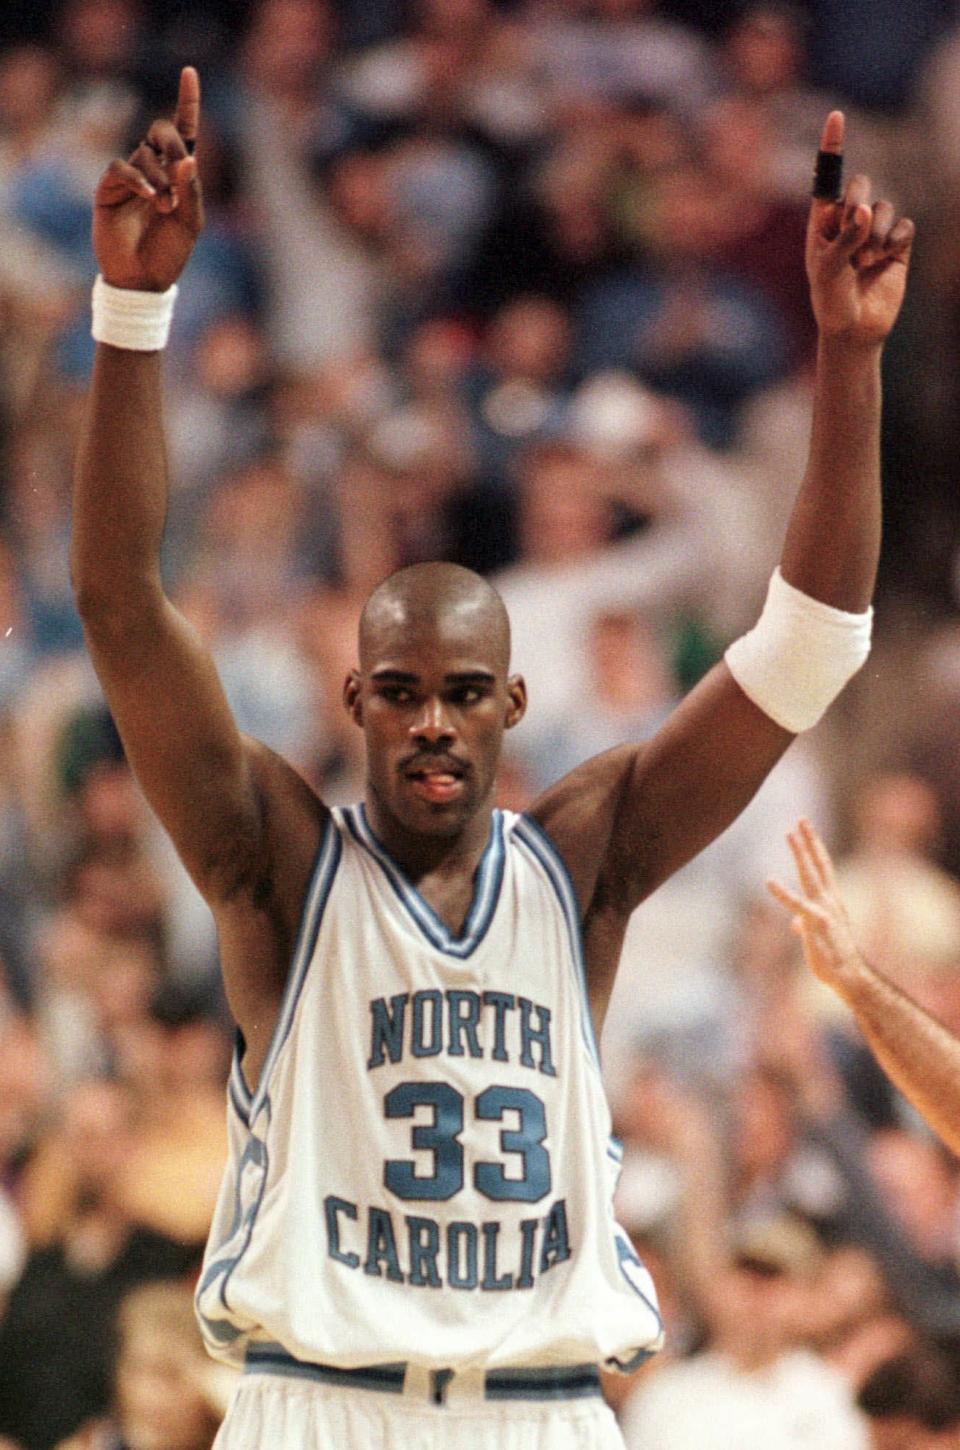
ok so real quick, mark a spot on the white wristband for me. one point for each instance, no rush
(799, 655)
(139, 321)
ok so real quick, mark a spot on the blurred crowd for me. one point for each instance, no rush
(515, 283)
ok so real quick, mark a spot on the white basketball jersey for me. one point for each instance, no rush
(425, 1172)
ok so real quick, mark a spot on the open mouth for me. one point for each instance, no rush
(438, 781)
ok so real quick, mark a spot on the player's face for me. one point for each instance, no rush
(433, 705)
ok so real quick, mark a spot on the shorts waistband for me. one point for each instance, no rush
(547, 1382)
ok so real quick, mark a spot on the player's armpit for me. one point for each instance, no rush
(578, 814)
(628, 819)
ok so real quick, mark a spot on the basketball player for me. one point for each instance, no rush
(414, 1245)
(916, 1050)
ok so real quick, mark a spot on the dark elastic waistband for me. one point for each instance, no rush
(551, 1382)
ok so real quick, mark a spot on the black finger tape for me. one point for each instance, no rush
(828, 176)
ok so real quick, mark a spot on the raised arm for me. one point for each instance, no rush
(628, 820)
(217, 794)
(159, 680)
(916, 1050)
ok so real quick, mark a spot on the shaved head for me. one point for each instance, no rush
(417, 599)
(433, 698)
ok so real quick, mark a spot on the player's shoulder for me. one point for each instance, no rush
(565, 808)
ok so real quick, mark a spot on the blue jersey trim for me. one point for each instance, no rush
(570, 1382)
(627, 1366)
(553, 1382)
(274, 1359)
(534, 838)
(318, 892)
(238, 1093)
(539, 845)
(219, 1330)
(249, 1105)
(486, 892)
(241, 1108)
(626, 1253)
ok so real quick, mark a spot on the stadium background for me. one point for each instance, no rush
(520, 285)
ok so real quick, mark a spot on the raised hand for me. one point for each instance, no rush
(148, 210)
(819, 915)
(857, 256)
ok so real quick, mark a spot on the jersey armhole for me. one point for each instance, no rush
(318, 892)
(538, 844)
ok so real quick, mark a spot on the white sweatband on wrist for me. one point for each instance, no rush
(799, 655)
(139, 321)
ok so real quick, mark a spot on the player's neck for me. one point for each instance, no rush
(421, 854)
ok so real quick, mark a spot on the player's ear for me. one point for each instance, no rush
(516, 701)
(352, 697)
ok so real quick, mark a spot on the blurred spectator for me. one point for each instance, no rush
(176, 1165)
(49, 194)
(765, 56)
(25, 1095)
(761, 233)
(752, 1385)
(17, 908)
(398, 494)
(754, 1382)
(777, 1166)
(38, 484)
(893, 1193)
(912, 1402)
(906, 911)
(323, 276)
(625, 457)
(461, 67)
(286, 57)
(55, 1336)
(30, 80)
(247, 545)
(680, 321)
(764, 62)
(852, 1322)
(632, 692)
(167, 1395)
(100, 948)
(555, 229)
(517, 389)
(99, 40)
(218, 419)
(920, 1182)
(592, 51)
(568, 573)
(36, 285)
(328, 629)
(316, 416)
(878, 67)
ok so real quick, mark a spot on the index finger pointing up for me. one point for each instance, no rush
(828, 175)
(187, 116)
(831, 137)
